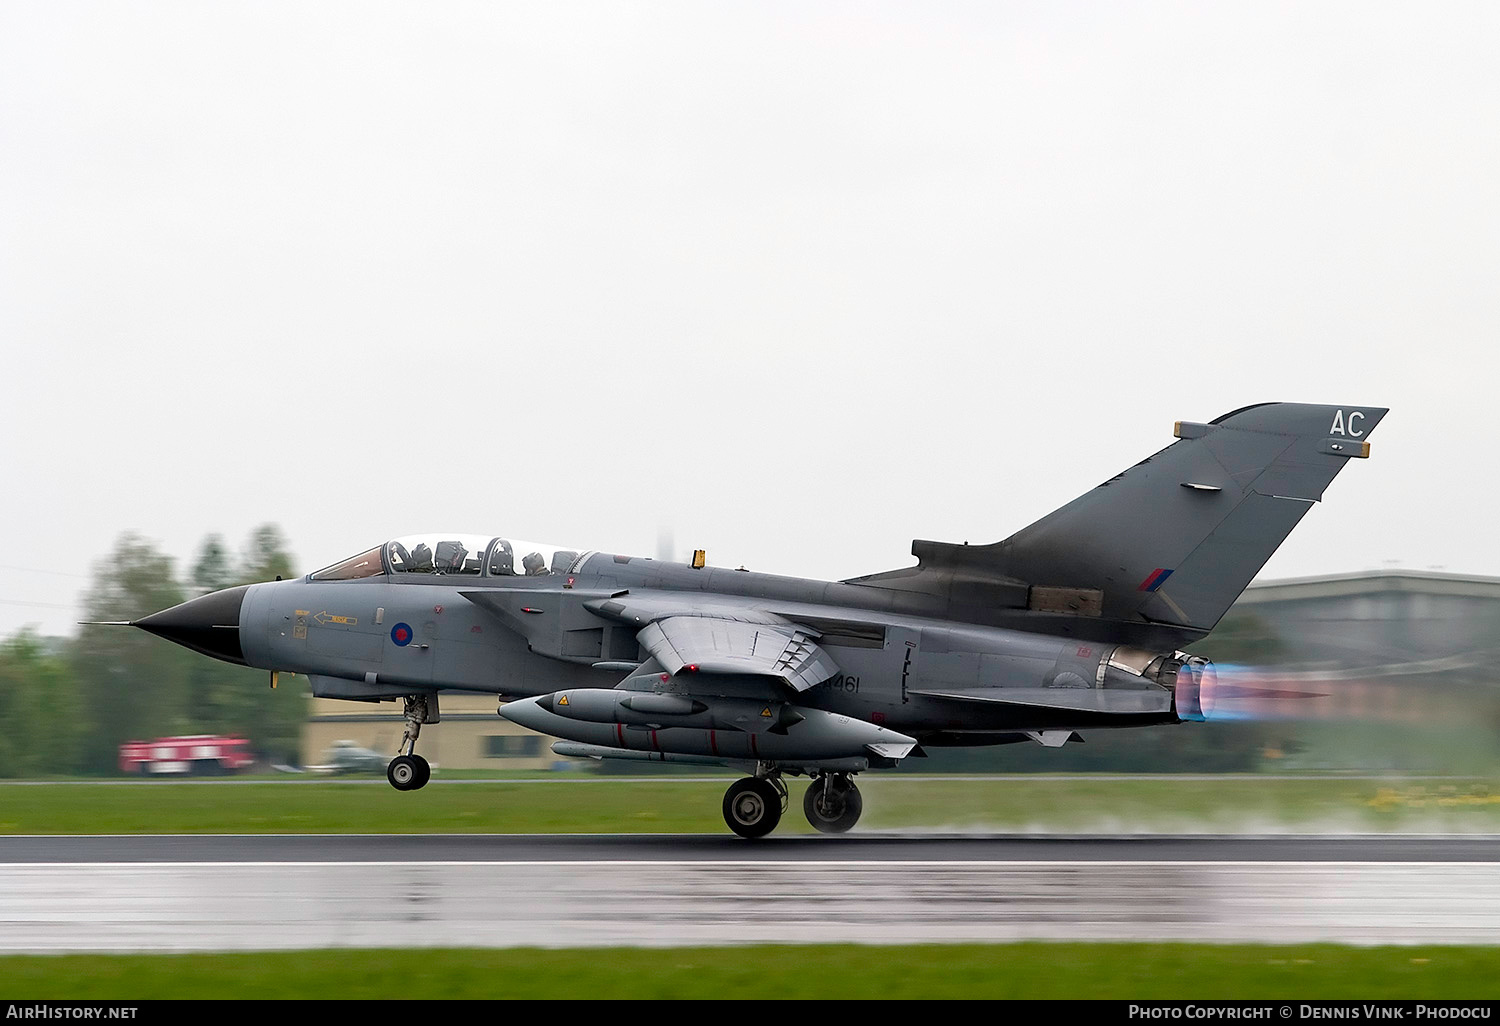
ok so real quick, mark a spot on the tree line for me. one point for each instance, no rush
(68, 704)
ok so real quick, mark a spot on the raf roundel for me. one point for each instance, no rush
(401, 634)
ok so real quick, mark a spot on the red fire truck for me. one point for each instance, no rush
(196, 753)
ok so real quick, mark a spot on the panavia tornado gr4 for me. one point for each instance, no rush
(1075, 623)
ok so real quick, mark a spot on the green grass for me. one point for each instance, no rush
(605, 805)
(1025, 970)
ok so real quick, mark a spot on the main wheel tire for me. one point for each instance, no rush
(834, 812)
(403, 773)
(752, 807)
(424, 772)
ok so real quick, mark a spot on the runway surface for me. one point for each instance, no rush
(861, 847)
(194, 893)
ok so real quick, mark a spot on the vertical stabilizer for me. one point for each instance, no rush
(1174, 539)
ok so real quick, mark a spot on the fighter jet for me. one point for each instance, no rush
(349, 757)
(1077, 622)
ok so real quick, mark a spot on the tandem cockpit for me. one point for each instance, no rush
(455, 555)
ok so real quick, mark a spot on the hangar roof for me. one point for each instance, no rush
(1371, 582)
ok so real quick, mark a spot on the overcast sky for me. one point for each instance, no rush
(800, 282)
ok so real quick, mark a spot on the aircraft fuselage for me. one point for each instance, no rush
(385, 636)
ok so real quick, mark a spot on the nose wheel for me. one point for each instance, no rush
(408, 772)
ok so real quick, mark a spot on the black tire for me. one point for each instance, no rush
(403, 773)
(835, 812)
(424, 772)
(752, 807)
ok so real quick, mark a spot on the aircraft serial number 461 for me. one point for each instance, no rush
(1075, 622)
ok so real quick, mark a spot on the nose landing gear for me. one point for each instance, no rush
(410, 771)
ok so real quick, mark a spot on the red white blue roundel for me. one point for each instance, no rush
(401, 634)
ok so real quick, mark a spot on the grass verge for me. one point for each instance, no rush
(606, 805)
(1023, 970)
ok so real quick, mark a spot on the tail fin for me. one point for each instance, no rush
(1173, 540)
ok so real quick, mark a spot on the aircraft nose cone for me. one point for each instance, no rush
(209, 624)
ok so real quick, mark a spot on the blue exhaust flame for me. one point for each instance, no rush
(1230, 692)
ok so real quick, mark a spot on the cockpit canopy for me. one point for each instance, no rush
(455, 555)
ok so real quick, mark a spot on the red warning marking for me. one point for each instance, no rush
(713, 741)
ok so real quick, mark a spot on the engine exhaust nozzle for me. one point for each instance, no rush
(1193, 694)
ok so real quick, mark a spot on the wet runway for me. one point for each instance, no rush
(182, 893)
(861, 847)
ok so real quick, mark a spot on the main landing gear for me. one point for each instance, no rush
(753, 806)
(410, 771)
(832, 803)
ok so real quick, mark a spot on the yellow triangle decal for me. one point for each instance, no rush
(563, 700)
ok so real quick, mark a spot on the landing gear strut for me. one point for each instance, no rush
(753, 806)
(832, 803)
(410, 771)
